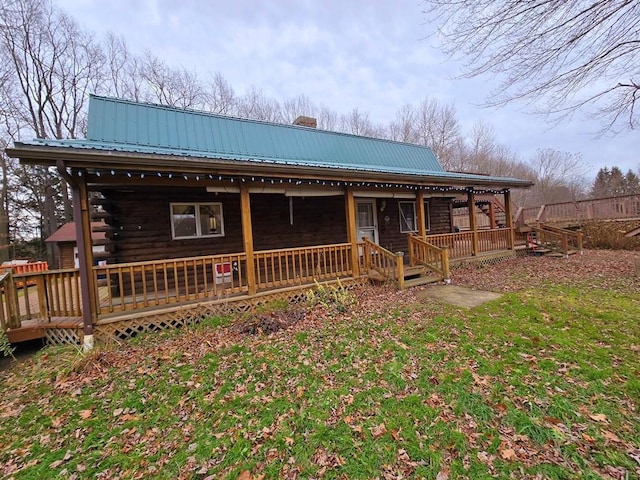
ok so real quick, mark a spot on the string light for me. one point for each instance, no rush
(321, 182)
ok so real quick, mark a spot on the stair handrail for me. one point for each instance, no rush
(431, 256)
(566, 237)
(381, 260)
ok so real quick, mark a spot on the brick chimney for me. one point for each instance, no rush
(306, 121)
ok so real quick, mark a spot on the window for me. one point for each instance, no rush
(407, 217)
(427, 221)
(193, 220)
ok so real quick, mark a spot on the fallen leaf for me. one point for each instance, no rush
(85, 413)
(245, 475)
(117, 412)
(508, 454)
(599, 417)
(443, 475)
(378, 430)
(612, 437)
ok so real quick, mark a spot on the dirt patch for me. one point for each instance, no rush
(270, 322)
(456, 295)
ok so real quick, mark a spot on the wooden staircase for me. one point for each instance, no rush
(552, 241)
(419, 275)
(427, 263)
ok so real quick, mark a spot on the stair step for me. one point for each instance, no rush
(413, 271)
(422, 280)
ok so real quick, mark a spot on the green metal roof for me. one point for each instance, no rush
(186, 132)
(131, 128)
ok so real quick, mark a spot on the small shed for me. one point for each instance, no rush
(66, 241)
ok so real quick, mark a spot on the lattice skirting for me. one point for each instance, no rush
(484, 260)
(63, 336)
(142, 322)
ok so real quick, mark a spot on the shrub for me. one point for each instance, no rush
(335, 298)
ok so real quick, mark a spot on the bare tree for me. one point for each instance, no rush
(562, 55)
(560, 176)
(358, 123)
(54, 64)
(404, 127)
(255, 105)
(220, 95)
(437, 128)
(293, 107)
(123, 77)
(176, 87)
(327, 119)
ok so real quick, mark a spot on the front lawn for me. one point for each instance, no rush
(542, 383)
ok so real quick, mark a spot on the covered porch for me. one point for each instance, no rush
(205, 213)
(125, 299)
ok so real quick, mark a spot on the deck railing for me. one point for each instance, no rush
(130, 286)
(427, 254)
(495, 239)
(9, 314)
(46, 294)
(386, 264)
(460, 244)
(467, 244)
(295, 266)
(627, 206)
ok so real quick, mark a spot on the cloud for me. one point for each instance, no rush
(372, 55)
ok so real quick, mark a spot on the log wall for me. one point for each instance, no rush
(389, 231)
(140, 224)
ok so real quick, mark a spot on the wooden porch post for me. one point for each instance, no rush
(508, 213)
(82, 218)
(247, 237)
(473, 224)
(422, 230)
(352, 235)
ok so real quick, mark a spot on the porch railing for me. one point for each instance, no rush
(130, 286)
(467, 244)
(388, 265)
(296, 266)
(427, 254)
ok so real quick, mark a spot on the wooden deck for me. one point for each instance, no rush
(146, 296)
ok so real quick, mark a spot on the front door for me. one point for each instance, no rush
(367, 220)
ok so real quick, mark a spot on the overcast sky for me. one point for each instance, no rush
(371, 54)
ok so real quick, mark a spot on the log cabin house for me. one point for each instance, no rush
(203, 211)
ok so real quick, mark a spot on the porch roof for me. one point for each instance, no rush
(178, 139)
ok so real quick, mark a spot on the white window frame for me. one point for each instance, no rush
(402, 218)
(196, 206)
(427, 218)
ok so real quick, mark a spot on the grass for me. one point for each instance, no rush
(538, 384)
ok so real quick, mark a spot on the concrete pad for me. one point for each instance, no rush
(459, 296)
